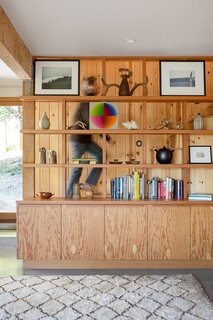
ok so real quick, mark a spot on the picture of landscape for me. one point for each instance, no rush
(57, 78)
(182, 78)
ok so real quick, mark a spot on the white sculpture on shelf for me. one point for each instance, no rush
(130, 125)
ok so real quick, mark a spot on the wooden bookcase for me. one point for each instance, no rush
(127, 231)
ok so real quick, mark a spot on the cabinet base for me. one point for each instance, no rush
(124, 264)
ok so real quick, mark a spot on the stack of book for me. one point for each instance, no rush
(83, 161)
(201, 196)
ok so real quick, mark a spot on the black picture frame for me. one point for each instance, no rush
(200, 154)
(57, 77)
(182, 78)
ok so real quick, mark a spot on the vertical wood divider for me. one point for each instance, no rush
(104, 161)
(186, 172)
(63, 177)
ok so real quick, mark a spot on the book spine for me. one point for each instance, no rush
(136, 194)
(142, 186)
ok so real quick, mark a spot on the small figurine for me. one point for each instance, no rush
(53, 157)
(42, 155)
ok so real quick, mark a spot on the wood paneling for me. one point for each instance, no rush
(39, 232)
(83, 232)
(125, 232)
(168, 233)
(202, 233)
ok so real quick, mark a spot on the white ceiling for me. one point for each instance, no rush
(7, 76)
(99, 27)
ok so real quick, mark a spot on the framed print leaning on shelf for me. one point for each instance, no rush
(182, 78)
(200, 154)
(56, 77)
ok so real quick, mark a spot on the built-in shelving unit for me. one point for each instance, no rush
(131, 233)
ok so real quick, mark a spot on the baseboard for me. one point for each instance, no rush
(109, 264)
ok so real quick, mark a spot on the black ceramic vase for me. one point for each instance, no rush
(164, 155)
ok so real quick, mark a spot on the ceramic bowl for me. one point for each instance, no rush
(45, 195)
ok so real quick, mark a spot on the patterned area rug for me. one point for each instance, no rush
(104, 297)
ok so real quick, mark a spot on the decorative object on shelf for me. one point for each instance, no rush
(139, 143)
(115, 161)
(84, 160)
(185, 78)
(198, 122)
(132, 161)
(200, 154)
(42, 155)
(76, 191)
(78, 124)
(103, 115)
(201, 196)
(166, 123)
(89, 194)
(56, 77)
(53, 157)
(164, 155)
(124, 89)
(44, 122)
(130, 125)
(45, 195)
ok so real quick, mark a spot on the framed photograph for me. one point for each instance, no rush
(182, 78)
(56, 77)
(200, 154)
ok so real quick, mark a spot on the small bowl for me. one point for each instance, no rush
(45, 195)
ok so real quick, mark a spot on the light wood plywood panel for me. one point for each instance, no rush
(39, 232)
(83, 232)
(202, 233)
(168, 233)
(125, 232)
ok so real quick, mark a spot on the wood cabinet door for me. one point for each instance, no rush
(83, 232)
(39, 232)
(201, 233)
(168, 232)
(125, 232)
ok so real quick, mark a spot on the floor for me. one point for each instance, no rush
(9, 265)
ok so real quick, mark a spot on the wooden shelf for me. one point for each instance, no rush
(119, 132)
(98, 200)
(195, 99)
(139, 166)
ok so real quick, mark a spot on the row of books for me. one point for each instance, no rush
(166, 189)
(128, 187)
(134, 187)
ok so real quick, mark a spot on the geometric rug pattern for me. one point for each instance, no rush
(104, 297)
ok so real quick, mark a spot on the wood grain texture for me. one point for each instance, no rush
(39, 232)
(202, 233)
(13, 51)
(125, 232)
(168, 233)
(83, 232)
